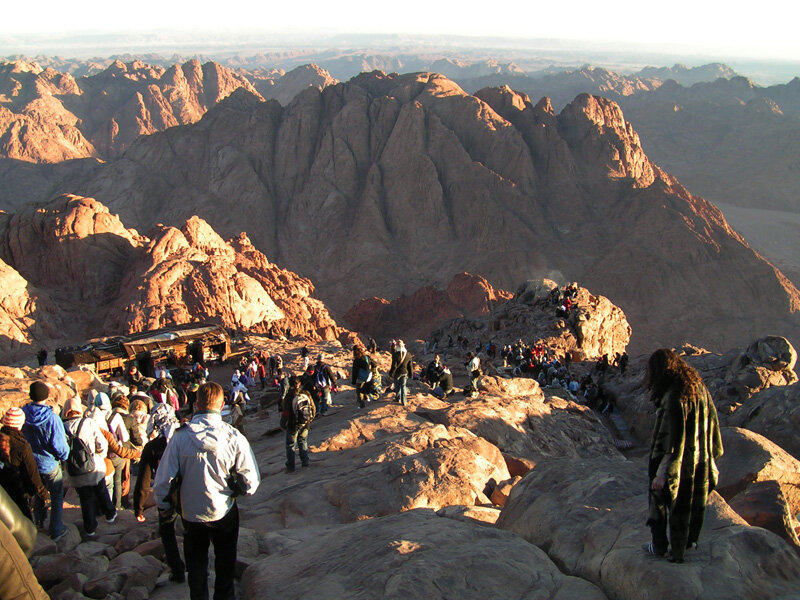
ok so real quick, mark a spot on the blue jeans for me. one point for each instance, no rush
(400, 389)
(295, 439)
(54, 482)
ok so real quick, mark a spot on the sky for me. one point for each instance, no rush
(765, 29)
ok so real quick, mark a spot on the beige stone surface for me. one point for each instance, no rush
(590, 516)
(412, 555)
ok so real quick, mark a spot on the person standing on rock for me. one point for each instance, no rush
(298, 411)
(164, 425)
(402, 368)
(21, 456)
(361, 375)
(91, 485)
(209, 463)
(45, 433)
(686, 441)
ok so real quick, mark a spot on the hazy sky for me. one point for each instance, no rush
(768, 28)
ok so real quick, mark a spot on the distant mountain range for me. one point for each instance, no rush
(387, 183)
(397, 182)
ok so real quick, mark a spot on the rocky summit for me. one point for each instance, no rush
(402, 181)
(519, 488)
(72, 253)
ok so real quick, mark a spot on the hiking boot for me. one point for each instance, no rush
(305, 464)
(110, 520)
(91, 534)
(288, 470)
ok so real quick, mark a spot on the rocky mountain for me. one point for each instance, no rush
(276, 84)
(415, 315)
(688, 76)
(593, 327)
(72, 271)
(398, 182)
(49, 116)
(562, 85)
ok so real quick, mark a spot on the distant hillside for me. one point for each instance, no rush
(385, 184)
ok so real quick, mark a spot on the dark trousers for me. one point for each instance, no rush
(166, 529)
(94, 498)
(224, 534)
(684, 517)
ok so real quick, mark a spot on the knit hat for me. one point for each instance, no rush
(39, 391)
(101, 400)
(73, 404)
(14, 418)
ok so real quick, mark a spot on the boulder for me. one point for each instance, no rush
(412, 555)
(590, 516)
(514, 415)
(64, 565)
(126, 571)
(760, 481)
(595, 326)
(775, 414)
(382, 461)
(482, 515)
(763, 504)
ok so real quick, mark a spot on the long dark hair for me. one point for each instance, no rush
(668, 372)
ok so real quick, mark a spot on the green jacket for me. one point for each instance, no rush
(683, 438)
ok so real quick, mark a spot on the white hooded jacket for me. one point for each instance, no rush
(205, 452)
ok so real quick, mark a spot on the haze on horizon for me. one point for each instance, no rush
(767, 30)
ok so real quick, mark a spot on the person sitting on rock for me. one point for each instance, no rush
(686, 442)
(434, 371)
(444, 386)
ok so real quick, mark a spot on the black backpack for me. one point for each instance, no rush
(81, 458)
(303, 412)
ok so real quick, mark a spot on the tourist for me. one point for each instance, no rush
(45, 433)
(361, 375)
(323, 382)
(685, 443)
(214, 464)
(91, 486)
(296, 415)
(401, 370)
(444, 387)
(21, 457)
(473, 372)
(164, 426)
(117, 428)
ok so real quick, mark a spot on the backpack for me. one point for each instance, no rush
(303, 411)
(320, 381)
(81, 458)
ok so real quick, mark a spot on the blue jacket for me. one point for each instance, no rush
(45, 433)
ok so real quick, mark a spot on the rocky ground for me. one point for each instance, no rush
(516, 489)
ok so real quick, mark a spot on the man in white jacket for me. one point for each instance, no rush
(211, 463)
